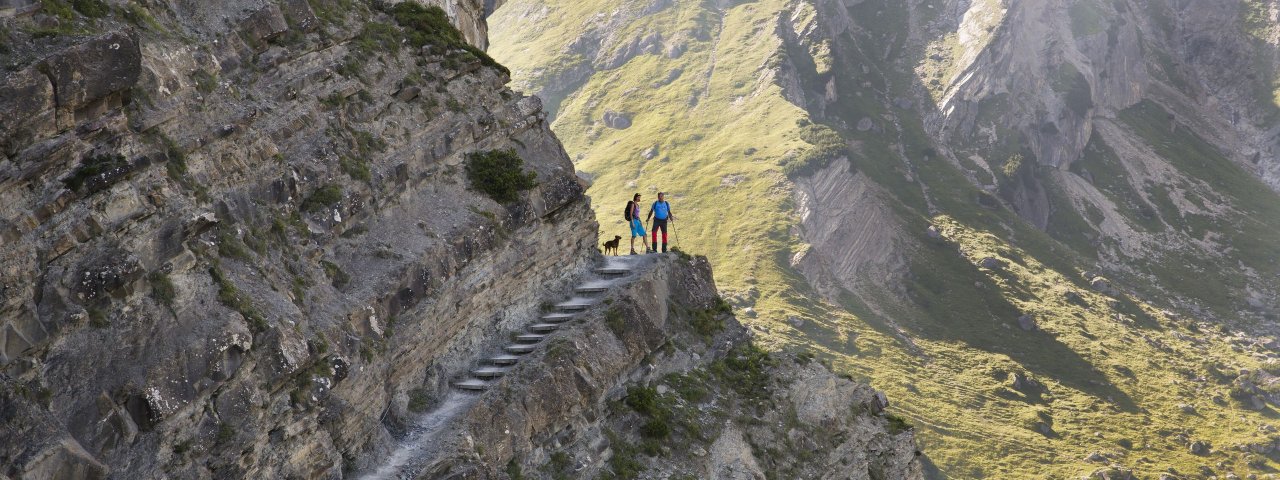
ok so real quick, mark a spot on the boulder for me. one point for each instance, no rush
(263, 25)
(865, 124)
(933, 232)
(1095, 457)
(992, 263)
(650, 153)
(300, 14)
(26, 97)
(616, 120)
(94, 69)
(1102, 285)
(1199, 447)
(1187, 408)
(1075, 298)
(1027, 323)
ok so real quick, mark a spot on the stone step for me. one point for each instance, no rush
(557, 317)
(503, 359)
(520, 348)
(543, 327)
(573, 306)
(473, 384)
(612, 271)
(530, 337)
(590, 288)
(489, 372)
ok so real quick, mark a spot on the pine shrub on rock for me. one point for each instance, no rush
(499, 174)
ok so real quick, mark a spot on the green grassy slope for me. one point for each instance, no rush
(1112, 374)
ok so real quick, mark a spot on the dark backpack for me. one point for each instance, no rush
(626, 215)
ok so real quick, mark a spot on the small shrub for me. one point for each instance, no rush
(357, 169)
(333, 100)
(231, 297)
(499, 174)
(225, 433)
(513, 470)
(897, 424)
(98, 318)
(337, 276)
(377, 37)
(230, 246)
(139, 16)
(324, 197)
(613, 320)
(655, 428)
(366, 143)
(744, 370)
(91, 8)
(162, 288)
(57, 9)
(623, 463)
(205, 82)
(419, 400)
(103, 166)
(643, 400)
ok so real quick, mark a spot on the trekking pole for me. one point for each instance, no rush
(674, 233)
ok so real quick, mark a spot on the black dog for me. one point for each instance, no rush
(612, 245)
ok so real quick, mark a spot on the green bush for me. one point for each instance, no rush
(57, 9)
(92, 166)
(655, 428)
(744, 369)
(91, 8)
(356, 168)
(162, 288)
(430, 25)
(377, 37)
(324, 197)
(897, 424)
(231, 297)
(499, 174)
(419, 400)
(337, 276)
(643, 400)
(613, 320)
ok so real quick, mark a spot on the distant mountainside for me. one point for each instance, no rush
(1049, 230)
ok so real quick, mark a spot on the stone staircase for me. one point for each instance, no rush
(492, 366)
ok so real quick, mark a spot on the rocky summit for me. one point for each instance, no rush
(324, 239)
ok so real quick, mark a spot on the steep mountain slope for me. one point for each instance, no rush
(1046, 227)
(237, 235)
(271, 238)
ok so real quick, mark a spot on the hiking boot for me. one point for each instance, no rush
(664, 248)
(633, 252)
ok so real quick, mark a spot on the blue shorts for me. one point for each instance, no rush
(637, 228)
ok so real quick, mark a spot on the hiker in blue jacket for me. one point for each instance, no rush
(632, 215)
(660, 212)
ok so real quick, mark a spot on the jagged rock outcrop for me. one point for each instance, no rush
(231, 248)
(657, 381)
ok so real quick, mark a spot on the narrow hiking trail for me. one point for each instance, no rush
(417, 449)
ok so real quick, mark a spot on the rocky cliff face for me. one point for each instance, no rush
(660, 382)
(247, 240)
(236, 235)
